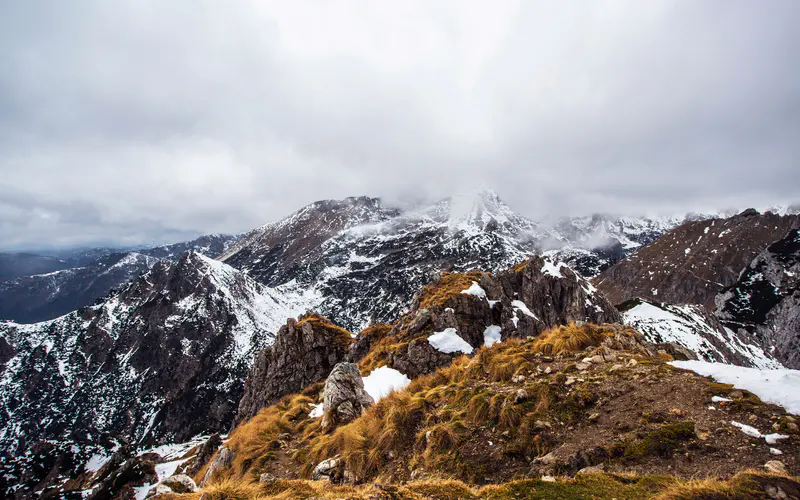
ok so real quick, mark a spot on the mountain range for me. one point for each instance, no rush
(159, 345)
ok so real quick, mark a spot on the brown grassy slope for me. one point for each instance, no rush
(513, 412)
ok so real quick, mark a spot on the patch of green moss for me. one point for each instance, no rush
(661, 442)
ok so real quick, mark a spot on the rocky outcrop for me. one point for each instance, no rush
(221, 460)
(304, 352)
(344, 396)
(521, 302)
(694, 262)
(177, 484)
(765, 300)
(136, 471)
(204, 453)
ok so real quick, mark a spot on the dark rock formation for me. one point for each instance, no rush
(765, 300)
(163, 359)
(694, 262)
(204, 453)
(521, 302)
(304, 352)
(136, 471)
(221, 460)
(344, 396)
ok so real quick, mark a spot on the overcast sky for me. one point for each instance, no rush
(132, 121)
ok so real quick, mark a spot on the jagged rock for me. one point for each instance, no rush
(419, 358)
(677, 351)
(223, 459)
(344, 396)
(267, 478)
(522, 302)
(776, 467)
(204, 453)
(764, 303)
(331, 469)
(180, 483)
(136, 471)
(304, 352)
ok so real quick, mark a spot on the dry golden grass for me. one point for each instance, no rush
(571, 338)
(319, 321)
(449, 285)
(255, 442)
(379, 353)
(743, 486)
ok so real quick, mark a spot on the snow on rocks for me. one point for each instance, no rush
(779, 386)
(695, 329)
(491, 335)
(378, 384)
(448, 341)
(316, 410)
(381, 381)
(551, 269)
(520, 306)
(753, 432)
(475, 290)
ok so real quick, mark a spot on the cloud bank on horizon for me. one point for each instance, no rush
(131, 121)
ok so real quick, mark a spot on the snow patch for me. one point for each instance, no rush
(520, 306)
(448, 341)
(316, 410)
(475, 290)
(780, 386)
(381, 381)
(551, 269)
(491, 335)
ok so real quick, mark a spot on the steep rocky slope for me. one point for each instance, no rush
(164, 358)
(765, 300)
(694, 262)
(701, 332)
(87, 276)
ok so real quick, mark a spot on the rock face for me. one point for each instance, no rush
(82, 279)
(163, 359)
(221, 460)
(137, 471)
(344, 396)
(695, 329)
(520, 302)
(204, 454)
(304, 352)
(765, 300)
(695, 261)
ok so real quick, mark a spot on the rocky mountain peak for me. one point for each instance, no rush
(483, 210)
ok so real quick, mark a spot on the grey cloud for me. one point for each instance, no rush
(156, 120)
